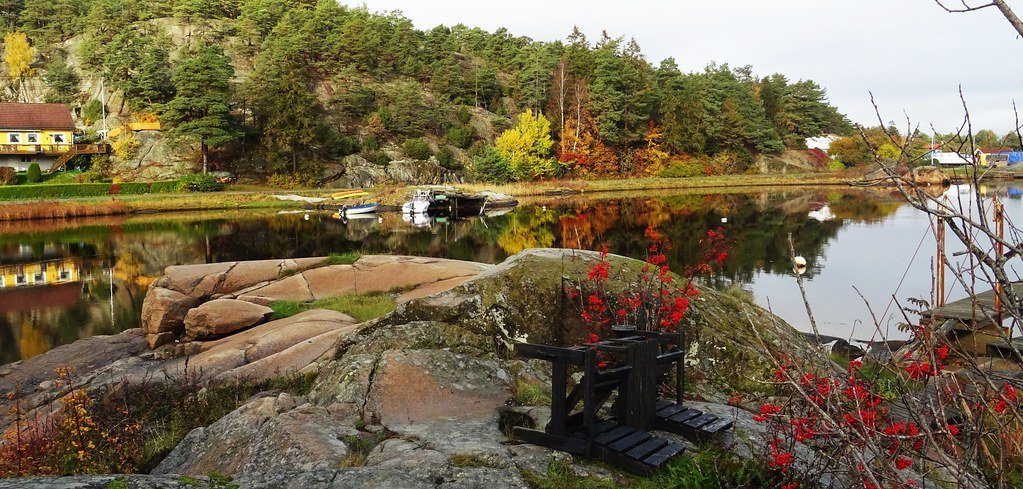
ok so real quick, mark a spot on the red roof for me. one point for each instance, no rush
(35, 116)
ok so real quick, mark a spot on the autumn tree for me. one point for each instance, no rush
(527, 148)
(19, 54)
(200, 111)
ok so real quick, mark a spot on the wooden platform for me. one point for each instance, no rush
(980, 308)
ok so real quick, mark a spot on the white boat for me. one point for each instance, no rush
(368, 208)
(419, 203)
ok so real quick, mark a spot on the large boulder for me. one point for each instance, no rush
(164, 310)
(220, 317)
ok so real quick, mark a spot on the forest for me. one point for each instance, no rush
(288, 86)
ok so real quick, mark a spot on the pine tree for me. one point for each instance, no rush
(200, 111)
(61, 81)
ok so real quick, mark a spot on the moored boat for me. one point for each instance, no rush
(367, 208)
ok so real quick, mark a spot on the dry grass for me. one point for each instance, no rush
(59, 210)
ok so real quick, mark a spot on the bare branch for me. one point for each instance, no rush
(1001, 5)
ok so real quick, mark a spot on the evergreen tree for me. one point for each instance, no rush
(200, 111)
(61, 81)
(138, 64)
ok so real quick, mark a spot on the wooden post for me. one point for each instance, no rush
(939, 276)
(680, 370)
(590, 406)
(559, 376)
(642, 385)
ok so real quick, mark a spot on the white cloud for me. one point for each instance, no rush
(911, 54)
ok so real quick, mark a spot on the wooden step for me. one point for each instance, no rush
(688, 422)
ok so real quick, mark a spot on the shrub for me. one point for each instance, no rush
(164, 187)
(34, 173)
(417, 149)
(459, 136)
(370, 143)
(290, 180)
(126, 146)
(91, 176)
(93, 110)
(85, 189)
(836, 165)
(377, 157)
(489, 166)
(447, 160)
(7, 175)
(198, 182)
(683, 168)
(463, 115)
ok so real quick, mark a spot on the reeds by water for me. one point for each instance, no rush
(59, 210)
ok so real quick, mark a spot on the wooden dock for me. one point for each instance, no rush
(976, 310)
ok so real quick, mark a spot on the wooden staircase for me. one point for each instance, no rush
(79, 149)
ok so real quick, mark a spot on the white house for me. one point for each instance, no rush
(822, 142)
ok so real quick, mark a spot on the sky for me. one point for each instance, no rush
(911, 54)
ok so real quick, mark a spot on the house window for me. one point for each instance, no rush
(20, 280)
(26, 158)
(39, 277)
(59, 139)
(65, 275)
(32, 138)
(13, 138)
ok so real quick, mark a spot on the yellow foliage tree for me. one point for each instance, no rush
(18, 54)
(527, 147)
(651, 159)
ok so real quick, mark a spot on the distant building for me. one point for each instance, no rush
(950, 158)
(822, 142)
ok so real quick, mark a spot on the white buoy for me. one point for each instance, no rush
(799, 265)
(724, 220)
(307, 217)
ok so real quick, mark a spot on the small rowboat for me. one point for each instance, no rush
(367, 208)
(347, 194)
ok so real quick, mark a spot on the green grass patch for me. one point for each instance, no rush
(532, 393)
(362, 307)
(346, 258)
(560, 475)
(472, 460)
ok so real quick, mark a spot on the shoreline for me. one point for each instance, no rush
(245, 197)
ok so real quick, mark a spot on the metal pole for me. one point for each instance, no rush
(103, 96)
(939, 277)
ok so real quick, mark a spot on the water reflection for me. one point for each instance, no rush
(849, 238)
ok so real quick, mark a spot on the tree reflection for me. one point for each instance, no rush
(119, 259)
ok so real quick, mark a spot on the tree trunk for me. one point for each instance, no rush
(205, 157)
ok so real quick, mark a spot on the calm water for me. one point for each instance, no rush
(90, 277)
